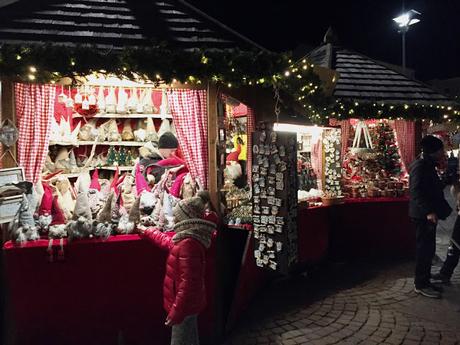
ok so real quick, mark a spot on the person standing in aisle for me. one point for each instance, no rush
(426, 205)
(453, 253)
(184, 293)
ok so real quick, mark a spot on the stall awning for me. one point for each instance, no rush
(115, 24)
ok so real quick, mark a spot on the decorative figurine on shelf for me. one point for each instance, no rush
(121, 159)
(101, 99)
(111, 101)
(127, 132)
(151, 133)
(133, 101)
(111, 156)
(122, 101)
(81, 224)
(129, 158)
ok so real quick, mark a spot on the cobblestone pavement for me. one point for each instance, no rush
(353, 303)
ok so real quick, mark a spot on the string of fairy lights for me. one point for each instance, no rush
(233, 68)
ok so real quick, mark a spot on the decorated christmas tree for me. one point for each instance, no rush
(122, 157)
(387, 150)
(129, 158)
(111, 156)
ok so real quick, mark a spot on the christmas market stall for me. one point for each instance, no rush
(110, 115)
(379, 111)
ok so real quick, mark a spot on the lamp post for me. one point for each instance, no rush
(404, 21)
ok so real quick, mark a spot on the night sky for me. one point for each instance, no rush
(433, 45)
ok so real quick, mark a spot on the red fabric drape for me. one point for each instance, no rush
(251, 125)
(405, 137)
(34, 109)
(189, 111)
(317, 161)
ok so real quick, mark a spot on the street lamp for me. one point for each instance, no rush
(404, 21)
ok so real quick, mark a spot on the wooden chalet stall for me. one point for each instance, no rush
(99, 291)
(384, 105)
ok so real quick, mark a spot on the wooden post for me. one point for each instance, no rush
(8, 112)
(212, 146)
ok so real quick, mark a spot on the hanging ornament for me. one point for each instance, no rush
(101, 99)
(85, 104)
(164, 108)
(78, 97)
(69, 101)
(92, 98)
(62, 98)
(8, 133)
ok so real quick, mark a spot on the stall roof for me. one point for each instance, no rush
(115, 24)
(363, 79)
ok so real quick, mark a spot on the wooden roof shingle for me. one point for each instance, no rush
(362, 79)
(115, 24)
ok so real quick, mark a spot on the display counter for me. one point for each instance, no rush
(371, 227)
(103, 292)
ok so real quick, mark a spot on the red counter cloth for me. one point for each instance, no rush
(374, 227)
(102, 292)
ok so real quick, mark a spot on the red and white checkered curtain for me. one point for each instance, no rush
(34, 109)
(190, 115)
(405, 137)
(251, 126)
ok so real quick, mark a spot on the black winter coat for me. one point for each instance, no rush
(426, 191)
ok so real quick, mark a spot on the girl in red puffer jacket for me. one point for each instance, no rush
(184, 295)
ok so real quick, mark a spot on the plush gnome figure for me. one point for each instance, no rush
(57, 227)
(44, 212)
(24, 228)
(81, 224)
(95, 195)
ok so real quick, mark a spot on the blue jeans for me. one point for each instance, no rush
(186, 333)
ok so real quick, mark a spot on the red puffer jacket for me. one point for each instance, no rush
(184, 291)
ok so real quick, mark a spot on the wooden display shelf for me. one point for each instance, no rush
(124, 116)
(109, 143)
(111, 168)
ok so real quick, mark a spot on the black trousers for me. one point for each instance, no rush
(425, 250)
(453, 254)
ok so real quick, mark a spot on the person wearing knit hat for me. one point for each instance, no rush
(426, 205)
(150, 156)
(184, 293)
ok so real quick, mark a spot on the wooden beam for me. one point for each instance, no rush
(8, 112)
(212, 146)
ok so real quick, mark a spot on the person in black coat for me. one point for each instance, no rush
(426, 205)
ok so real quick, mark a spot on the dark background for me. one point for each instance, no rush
(433, 45)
